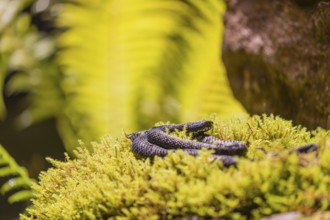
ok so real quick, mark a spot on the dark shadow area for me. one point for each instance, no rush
(29, 147)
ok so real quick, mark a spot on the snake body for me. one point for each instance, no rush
(157, 142)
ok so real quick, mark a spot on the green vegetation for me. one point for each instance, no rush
(112, 183)
(26, 62)
(17, 184)
(130, 63)
(114, 64)
(118, 64)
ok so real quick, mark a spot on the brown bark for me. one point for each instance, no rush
(277, 58)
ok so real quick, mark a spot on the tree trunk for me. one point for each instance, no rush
(277, 57)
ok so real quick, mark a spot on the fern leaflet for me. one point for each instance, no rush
(17, 181)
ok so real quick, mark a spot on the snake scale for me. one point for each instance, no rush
(157, 141)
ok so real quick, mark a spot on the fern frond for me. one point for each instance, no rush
(16, 179)
(130, 63)
(88, 86)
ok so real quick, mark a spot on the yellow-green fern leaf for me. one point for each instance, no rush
(131, 63)
(206, 89)
(16, 178)
(88, 86)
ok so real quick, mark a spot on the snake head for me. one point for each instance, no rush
(199, 126)
(134, 135)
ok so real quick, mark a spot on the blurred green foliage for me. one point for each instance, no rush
(128, 64)
(118, 65)
(11, 25)
(26, 52)
(112, 184)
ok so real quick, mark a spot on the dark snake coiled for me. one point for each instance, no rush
(156, 142)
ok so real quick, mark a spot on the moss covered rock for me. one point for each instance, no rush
(111, 183)
(277, 57)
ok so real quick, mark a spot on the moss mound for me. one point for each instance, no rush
(111, 183)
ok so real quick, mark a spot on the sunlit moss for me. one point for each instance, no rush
(112, 184)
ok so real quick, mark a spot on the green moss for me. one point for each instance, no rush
(112, 183)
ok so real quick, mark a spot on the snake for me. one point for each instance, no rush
(157, 141)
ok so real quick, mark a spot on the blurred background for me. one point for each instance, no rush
(83, 69)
